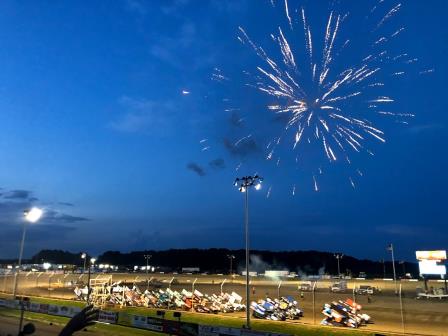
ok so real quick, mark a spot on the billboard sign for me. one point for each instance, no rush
(431, 255)
(430, 267)
(429, 262)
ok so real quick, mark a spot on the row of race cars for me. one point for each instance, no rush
(123, 295)
(344, 313)
(341, 313)
(277, 309)
(338, 313)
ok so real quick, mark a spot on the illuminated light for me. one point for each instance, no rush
(431, 255)
(83, 256)
(46, 265)
(101, 266)
(92, 260)
(33, 215)
(427, 267)
(135, 268)
(59, 266)
(243, 189)
(185, 92)
(9, 267)
(258, 186)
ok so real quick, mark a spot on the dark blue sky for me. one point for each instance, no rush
(95, 128)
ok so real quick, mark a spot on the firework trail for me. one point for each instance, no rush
(313, 91)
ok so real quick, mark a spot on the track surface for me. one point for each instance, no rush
(9, 326)
(425, 317)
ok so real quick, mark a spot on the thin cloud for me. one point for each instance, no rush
(57, 216)
(166, 48)
(174, 6)
(417, 129)
(14, 202)
(402, 230)
(18, 194)
(143, 116)
(136, 6)
(66, 204)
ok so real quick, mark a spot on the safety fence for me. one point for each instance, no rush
(159, 325)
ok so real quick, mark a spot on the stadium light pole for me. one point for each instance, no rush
(147, 257)
(84, 256)
(231, 257)
(244, 184)
(31, 216)
(92, 263)
(338, 256)
(391, 249)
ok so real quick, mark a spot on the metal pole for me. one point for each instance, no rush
(222, 284)
(16, 274)
(339, 268)
(314, 302)
(4, 282)
(278, 289)
(192, 294)
(147, 261)
(49, 284)
(401, 311)
(88, 285)
(147, 283)
(123, 296)
(247, 257)
(22, 310)
(84, 270)
(231, 257)
(170, 297)
(37, 279)
(393, 267)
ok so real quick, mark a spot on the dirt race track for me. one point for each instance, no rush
(424, 317)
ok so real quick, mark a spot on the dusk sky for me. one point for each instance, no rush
(103, 106)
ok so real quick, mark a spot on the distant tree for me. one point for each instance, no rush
(215, 260)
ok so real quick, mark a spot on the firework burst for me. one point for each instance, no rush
(321, 100)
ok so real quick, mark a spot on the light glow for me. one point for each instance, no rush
(431, 255)
(33, 215)
(431, 267)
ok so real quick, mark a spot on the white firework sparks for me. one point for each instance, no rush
(320, 99)
(317, 106)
